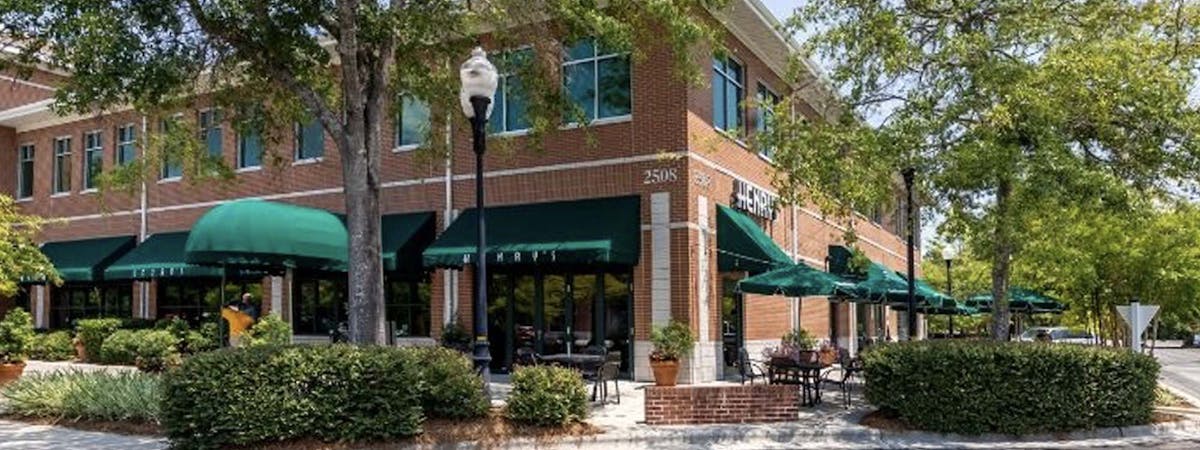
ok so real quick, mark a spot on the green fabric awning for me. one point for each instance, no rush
(404, 237)
(85, 260)
(743, 245)
(796, 280)
(593, 231)
(159, 256)
(1021, 300)
(257, 233)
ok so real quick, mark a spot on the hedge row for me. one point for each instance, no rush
(332, 393)
(984, 387)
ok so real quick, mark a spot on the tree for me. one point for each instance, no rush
(1006, 109)
(20, 257)
(271, 63)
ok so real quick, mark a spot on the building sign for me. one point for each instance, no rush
(516, 257)
(754, 201)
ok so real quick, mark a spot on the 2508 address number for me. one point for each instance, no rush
(659, 176)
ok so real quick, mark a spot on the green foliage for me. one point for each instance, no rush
(245, 396)
(547, 396)
(16, 335)
(672, 342)
(976, 387)
(93, 332)
(196, 342)
(157, 350)
(270, 330)
(456, 337)
(800, 339)
(91, 395)
(451, 389)
(53, 346)
(20, 256)
(120, 348)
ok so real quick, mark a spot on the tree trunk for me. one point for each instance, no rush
(1001, 262)
(366, 306)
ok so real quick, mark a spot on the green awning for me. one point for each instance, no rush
(404, 237)
(742, 244)
(593, 231)
(257, 233)
(85, 260)
(796, 280)
(159, 256)
(875, 284)
(1020, 299)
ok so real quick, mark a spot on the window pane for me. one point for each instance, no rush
(414, 121)
(580, 80)
(25, 175)
(581, 50)
(614, 87)
(172, 164)
(213, 140)
(250, 149)
(95, 163)
(515, 118)
(718, 89)
(496, 121)
(312, 140)
(733, 95)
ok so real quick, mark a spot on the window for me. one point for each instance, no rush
(62, 165)
(407, 307)
(210, 131)
(126, 138)
(249, 149)
(412, 122)
(597, 80)
(71, 303)
(319, 304)
(93, 158)
(25, 171)
(172, 163)
(727, 94)
(198, 300)
(310, 140)
(508, 113)
(766, 101)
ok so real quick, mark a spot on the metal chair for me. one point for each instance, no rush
(610, 371)
(527, 357)
(849, 367)
(747, 368)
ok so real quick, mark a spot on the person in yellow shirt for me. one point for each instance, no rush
(239, 321)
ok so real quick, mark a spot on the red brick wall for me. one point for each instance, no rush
(685, 405)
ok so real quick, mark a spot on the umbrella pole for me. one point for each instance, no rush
(221, 335)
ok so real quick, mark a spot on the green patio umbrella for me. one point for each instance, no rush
(1020, 300)
(796, 280)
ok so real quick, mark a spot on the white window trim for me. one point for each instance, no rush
(87, 161)
(396, 147)
(296, 159)
(501, 79)
(21, 161)
(89, 191)
(742, 85)
(307, 161)
(249, 169)
(54, 164)
(117, 143)
(163, 180)
(238, 156)
(595, 61)
(405, 148)
(175, 179)
(204, 131)
(598, 122)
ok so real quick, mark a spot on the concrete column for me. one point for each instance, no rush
(660, 257)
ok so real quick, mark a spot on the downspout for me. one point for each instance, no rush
(450, 277)
(797, 302)
(143, 228)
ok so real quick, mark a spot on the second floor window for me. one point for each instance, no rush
(412, 122)
(62, 165)
(727, 88)
(172, 161)
(250, 149)
(25, 171)
(126, 139)
(210, 131)
(93, 158)
(766, 101)
(597, 81)
(509, 110)
(310, 140)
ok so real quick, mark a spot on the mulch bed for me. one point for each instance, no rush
(891, 421)
(104, 426)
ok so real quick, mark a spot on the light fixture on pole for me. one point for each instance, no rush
(948, 255)
(479, 80)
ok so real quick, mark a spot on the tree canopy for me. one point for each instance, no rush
(1006, 109)
(20, 258)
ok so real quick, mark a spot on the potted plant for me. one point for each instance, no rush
(802, 344)
(671, 343)
(16, 334)
(80, 350)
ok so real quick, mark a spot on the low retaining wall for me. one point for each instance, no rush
(684, 405)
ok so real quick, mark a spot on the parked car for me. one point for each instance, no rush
(1060, 335)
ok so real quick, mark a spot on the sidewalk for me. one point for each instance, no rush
(22, 436)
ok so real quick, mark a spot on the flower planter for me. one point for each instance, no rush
(827, 357)
(80, 351)
(665, 372)
(10, 372)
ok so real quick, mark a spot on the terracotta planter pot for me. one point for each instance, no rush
(808, 356)
(665, 372)
(80, 352)
(10, 372)
(828, 357)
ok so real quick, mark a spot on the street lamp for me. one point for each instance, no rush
(479, 81)
(909, 224)
(948, 254)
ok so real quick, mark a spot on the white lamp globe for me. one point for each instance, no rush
(479, 79)
(949, 252)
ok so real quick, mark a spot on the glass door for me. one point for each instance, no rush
(554, 315)
(499, 330)
(732, 325)
(618, 301)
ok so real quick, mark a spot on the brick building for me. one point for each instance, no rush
(658, 159)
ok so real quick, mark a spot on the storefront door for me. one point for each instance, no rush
(733, 333)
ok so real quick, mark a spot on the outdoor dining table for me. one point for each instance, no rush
(574, 359)
(806, 374)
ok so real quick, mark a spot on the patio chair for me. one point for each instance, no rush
(849, 367)
(610, 371)
(527, 357)
(591, 371)
(747, 368)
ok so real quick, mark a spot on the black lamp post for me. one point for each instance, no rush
(908, 173)
(479, 80)
(948, 254)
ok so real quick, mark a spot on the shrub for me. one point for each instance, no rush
(978, 387)
(547, 396)
(270, 330)
(93, 332)
(93, 395)
(800, 339)
(451, 387)
(195, 342)
(243, 396)
(456, 337)
(672, 342)
(16, 334)
(53, 346)
(157, 350)
(120, 348)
